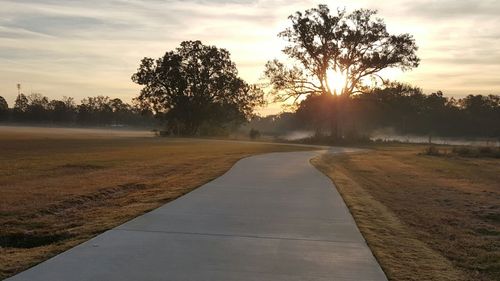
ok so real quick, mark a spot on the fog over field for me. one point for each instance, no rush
(388, 136)
(30, 132)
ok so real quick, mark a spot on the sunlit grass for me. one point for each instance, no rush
(424, 217)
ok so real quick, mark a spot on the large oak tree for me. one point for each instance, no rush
(196, 86)
(355, 46)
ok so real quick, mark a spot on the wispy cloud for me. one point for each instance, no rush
(445, 9)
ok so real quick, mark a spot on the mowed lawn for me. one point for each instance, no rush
(424, 217)
(60, 187)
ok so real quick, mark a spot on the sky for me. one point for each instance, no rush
(92, 47)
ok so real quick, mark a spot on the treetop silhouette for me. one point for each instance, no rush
(194, 86)
(356, 45)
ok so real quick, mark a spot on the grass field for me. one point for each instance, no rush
(424, 217)
(59, 187)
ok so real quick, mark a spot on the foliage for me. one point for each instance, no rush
(464, 151)
(406, 110)
(432, 151)
(403, 108)
(476, 152)
(356, 45)
(409, 111)
(4, 109)
(274, 124)
(21, 105)
(254, 134)
(92, 111)
(63, 110)
(318, 111)
(196, 86)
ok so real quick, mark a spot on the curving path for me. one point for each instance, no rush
(271, 217)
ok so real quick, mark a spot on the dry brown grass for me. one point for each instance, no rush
(58, 189)
(424, 217)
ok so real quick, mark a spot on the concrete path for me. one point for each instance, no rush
(271, 217)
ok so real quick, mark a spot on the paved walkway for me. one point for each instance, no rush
(271, 217)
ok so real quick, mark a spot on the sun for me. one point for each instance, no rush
(336, 81)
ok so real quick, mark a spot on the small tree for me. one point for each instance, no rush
(196, 85)
(95, 111)
(38, 107)
(337, 54)
(21, 105)
(254, 134)
(4, 109)
(63, 111)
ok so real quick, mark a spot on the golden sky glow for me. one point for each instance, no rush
(336, 81)
(86, 48)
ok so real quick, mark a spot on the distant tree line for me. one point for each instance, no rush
(403, 108)
(408, 110)
(92, 111)
(276, 124)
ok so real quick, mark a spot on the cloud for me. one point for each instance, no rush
(59, 25)
(444, 9)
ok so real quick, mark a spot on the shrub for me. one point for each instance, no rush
(254, 134)
(164, 133)
(432, 151)
(462, 151)
(484, 151)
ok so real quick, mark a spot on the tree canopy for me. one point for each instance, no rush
(196, 86)
(4, 108)
(355, 46)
